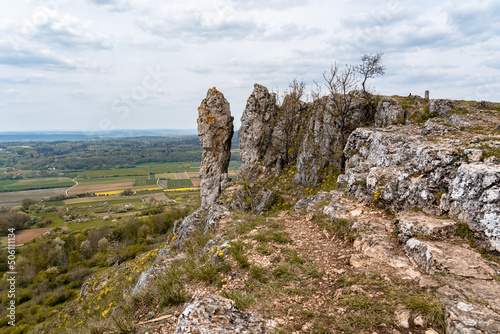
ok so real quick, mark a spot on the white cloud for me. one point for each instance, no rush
(12, 92)
(86, 54)
(194, 23)
(64, 30)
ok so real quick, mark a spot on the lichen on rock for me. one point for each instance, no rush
(215, 130)
(212, 314)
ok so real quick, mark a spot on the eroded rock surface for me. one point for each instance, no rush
(402, 170)
(212, 314)
(215, 130)
(440, 106)
(474, 197)
(462, 316)
(389, 112)
(258, 123)
(209, 217)
(434, 256)
(412, 225)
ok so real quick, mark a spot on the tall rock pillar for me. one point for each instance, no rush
(215, 129)
(256, 133)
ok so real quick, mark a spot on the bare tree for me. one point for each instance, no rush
(290, 116)
(342, 87)
(371, 66)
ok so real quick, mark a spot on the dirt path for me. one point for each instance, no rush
(76, 184)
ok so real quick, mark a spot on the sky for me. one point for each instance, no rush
(147, 64)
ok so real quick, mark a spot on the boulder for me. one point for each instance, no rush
(266, 201)
(464, 316)
(389, 112)
(460, 121)
(440, 106)
(474, 198)
(215, 130)
(212, 314)
(433, 256)
(411, 225)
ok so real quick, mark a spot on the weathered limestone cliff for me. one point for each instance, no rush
(402, 169)
(215, 129)
(309, 136)
(258, 124)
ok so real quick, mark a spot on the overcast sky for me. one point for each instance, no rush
(140, 64)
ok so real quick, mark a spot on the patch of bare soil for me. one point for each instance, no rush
(24, 236)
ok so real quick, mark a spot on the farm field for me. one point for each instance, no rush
(16, 197)
(111, 182)
(115, 172)
(35, 183)
(100, 200)
(24, 236)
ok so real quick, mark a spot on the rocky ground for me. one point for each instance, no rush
(406, 240)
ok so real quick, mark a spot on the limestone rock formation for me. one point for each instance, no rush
(462, 316)
(435, 256)
(265, 202)
(398, 167)
(211, 314)
(474, 197)
(258, 123)
(321, 140)
(411, 225)
(215, 130)
(389, 112)
(401, 169)
(324, 136)
(206, 217)
(440, 106)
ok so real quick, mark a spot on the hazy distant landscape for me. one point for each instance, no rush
(23, 136)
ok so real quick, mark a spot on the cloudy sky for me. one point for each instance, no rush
(147, 64)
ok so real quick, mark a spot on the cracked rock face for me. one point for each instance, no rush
(412, 225)
(211, 314)
(402, 170)
(215, 130)
(440, 106)
(256, 132)
(208, 216)
(461, 316)
(474, 197)
(389, 112)
(434, 256)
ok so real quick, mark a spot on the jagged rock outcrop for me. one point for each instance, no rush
(206, 217)
(321, 140)
(215, 130)
(324, 137)
(309, 135)
(258, 124)
(211, 314)
(389, 112)
(474, 197)
(440, 106)
(400, 169)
